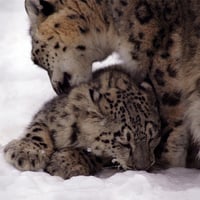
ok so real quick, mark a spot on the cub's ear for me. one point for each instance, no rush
(35, 7)
(95, 95)
(149, 90)
(146, 87)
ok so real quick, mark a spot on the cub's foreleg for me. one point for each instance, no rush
(68, 162)
(33, 151)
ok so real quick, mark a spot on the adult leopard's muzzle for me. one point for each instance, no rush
(62, 86)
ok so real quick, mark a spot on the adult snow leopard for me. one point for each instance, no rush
(155, 39)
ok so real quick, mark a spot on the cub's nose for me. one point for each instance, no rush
(64, 85)
(143, 166)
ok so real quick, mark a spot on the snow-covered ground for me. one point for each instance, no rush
(24, 88)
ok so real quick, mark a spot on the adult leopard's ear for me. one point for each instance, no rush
(36, 7)
(32, 8)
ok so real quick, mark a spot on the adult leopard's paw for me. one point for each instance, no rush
(26, 155)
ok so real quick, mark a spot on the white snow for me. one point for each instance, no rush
(24, 88)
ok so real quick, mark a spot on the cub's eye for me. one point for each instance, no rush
(47, 8)
(153, 142)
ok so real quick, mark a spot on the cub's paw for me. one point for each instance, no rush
(68, 162)
(26, 155)
(120, 164)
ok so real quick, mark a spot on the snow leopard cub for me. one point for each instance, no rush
(110, 118)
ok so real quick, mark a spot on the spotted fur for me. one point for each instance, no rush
(155, 39)
(108, 119)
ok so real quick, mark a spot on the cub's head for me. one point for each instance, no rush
(136, 112)
(57, 30)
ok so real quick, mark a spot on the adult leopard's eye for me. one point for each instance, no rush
(47, 8)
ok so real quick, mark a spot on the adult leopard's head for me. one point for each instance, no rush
(59, 44)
